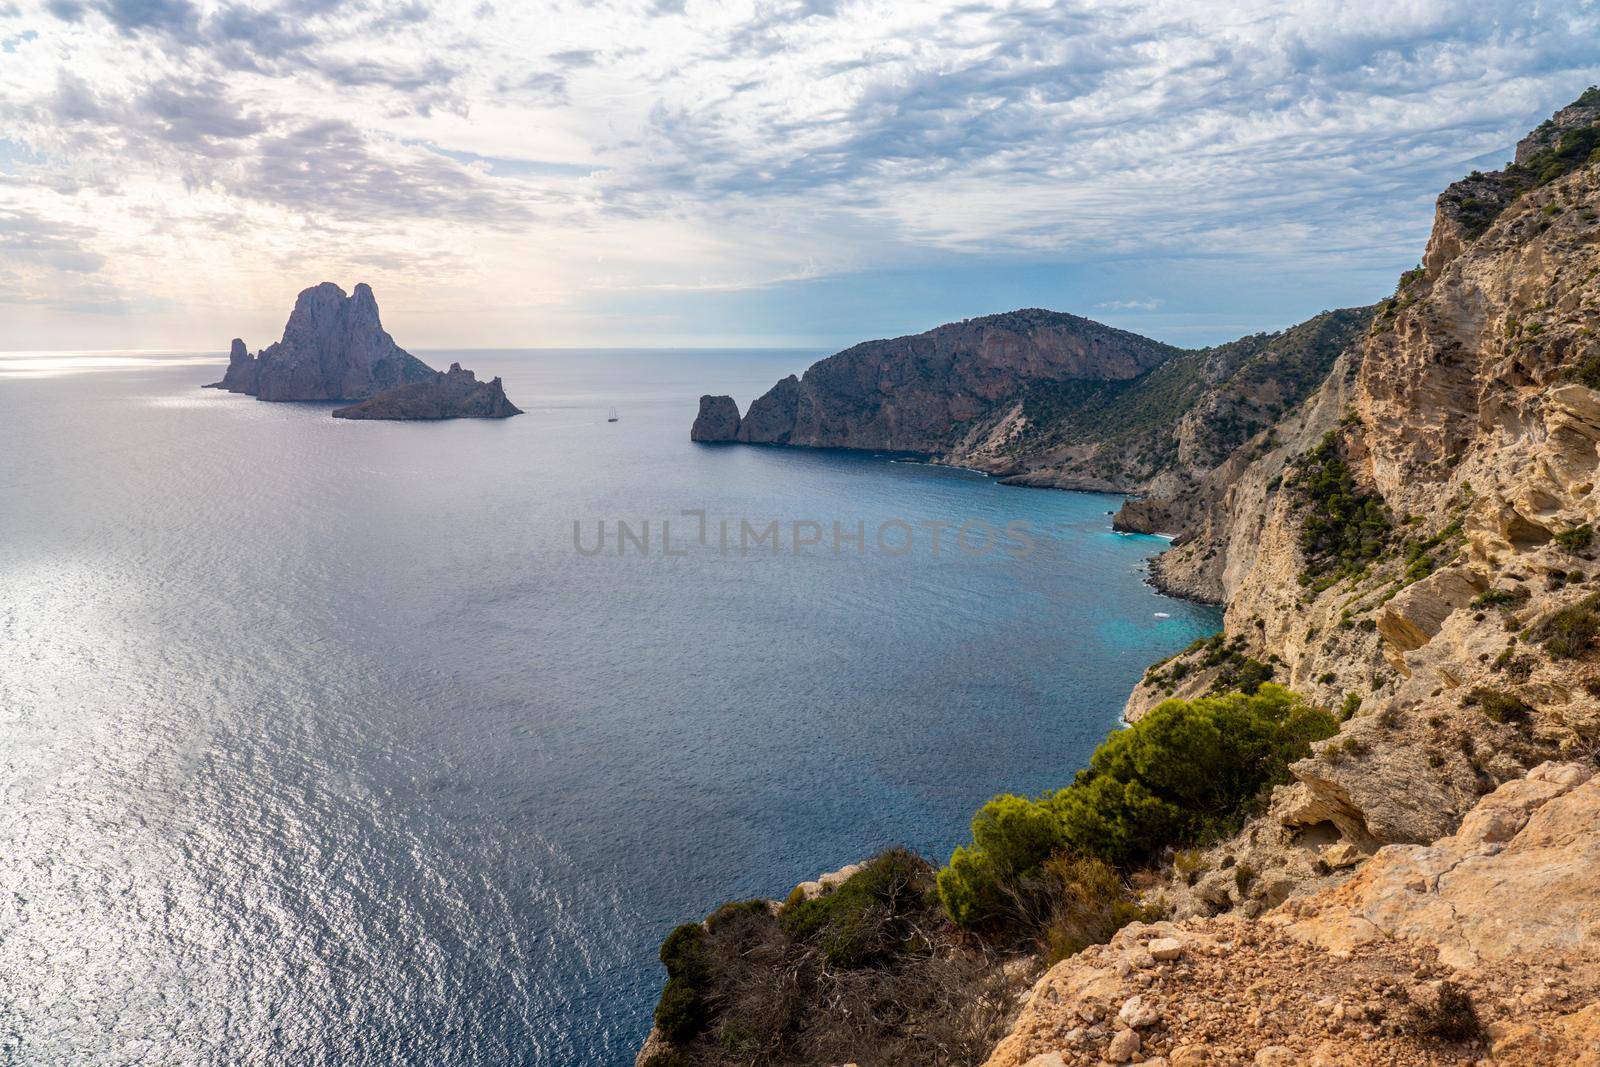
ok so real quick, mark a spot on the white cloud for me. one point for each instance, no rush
(532, 158)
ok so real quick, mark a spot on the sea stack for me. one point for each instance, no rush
(718, 420)
(456, 394)
(333, 348)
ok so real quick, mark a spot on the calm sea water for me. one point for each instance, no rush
(320, 743)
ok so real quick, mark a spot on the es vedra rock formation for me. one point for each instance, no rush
(335, 348)
(1360, 825)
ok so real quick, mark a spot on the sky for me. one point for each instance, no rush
(685, 173)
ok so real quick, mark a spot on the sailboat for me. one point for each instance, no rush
(613, 416)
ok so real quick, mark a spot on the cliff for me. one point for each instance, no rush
(1410, 547)
(333, 348)
(914, 394)
(456, 394)
(1043, 399)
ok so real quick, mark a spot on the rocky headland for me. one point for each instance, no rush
(334, 347)
(455, 394)
(1045, 399)
(1361, 825)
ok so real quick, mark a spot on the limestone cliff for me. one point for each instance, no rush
(912, 394)
(1411, 545)
(1470, 423)
(333, 348)
(456, 394)
(1043, 399)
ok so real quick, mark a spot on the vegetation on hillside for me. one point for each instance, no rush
(1569, 632)
(870, 972)
(1245, 386)
(1184, 773)
(1234, 669)
(1480, 198)
(1343, 527)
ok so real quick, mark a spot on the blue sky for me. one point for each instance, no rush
(736, 172)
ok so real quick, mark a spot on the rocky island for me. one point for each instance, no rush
(335, 348)
(455, 394)
(1360, 825)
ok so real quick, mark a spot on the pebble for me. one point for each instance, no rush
(1165, 949)
(1137, 1014)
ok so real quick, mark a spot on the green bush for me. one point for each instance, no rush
(1343, 527)
(1011, 837)
(860, 922)
(1576, 539)
(682, 1012)
(1567, 633)
(684, 954)
(1184, 772)
(734, 911)
(1499, 597)
(1498, 705)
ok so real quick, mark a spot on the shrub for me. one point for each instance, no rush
(859, 922)
(1343, 526)
(734, 911)
(1495, 598)
(1184, 772)
(1011, 837)
(1567, 633)
(1576, 539)
(1351, 705)
(1089, 902)
(1449, 1015)
(1500, 706)
(684, 954)
(681, 1013)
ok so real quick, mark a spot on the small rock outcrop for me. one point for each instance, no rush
(334, 348)
(718, 420)
(456, 394)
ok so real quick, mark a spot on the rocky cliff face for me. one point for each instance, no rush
(910, 394)
(1050, 400)
(333, 348)
(1412, 546)
(1452, 461)
(456, 394)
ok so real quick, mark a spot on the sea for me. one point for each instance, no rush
(330, 742)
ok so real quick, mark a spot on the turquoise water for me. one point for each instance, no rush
(322, 743)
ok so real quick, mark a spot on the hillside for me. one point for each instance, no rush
(1045, 399)
(1359, 825)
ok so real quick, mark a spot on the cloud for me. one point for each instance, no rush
(58, 246)
(331, 167)
(581, 148)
